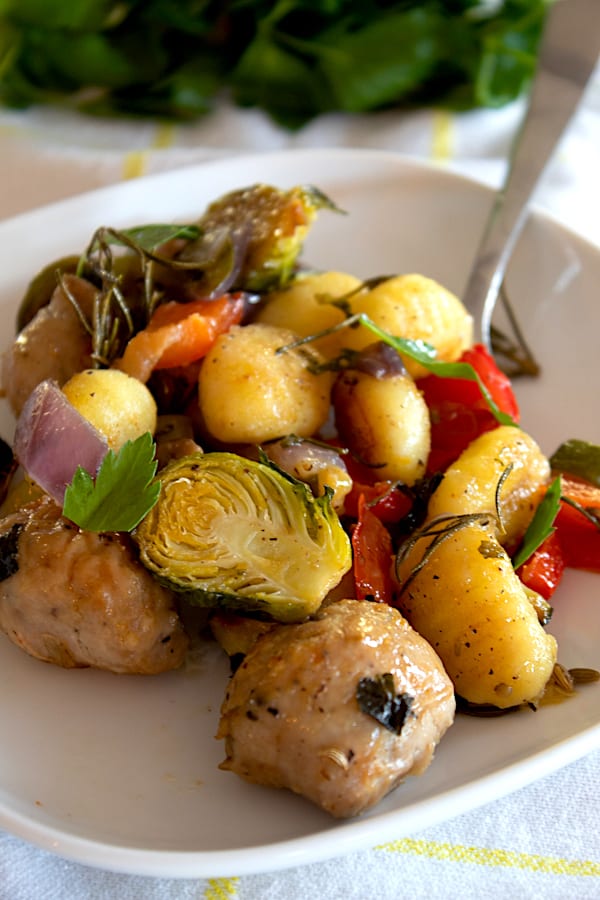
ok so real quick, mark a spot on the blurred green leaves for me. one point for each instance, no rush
(293, 58)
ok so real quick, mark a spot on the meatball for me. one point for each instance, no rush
(339, 708)
(53, 345)
(76, 598)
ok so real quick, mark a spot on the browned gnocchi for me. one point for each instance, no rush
(268, 393)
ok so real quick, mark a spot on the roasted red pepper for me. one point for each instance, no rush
(544, 569)
(385, 500)
(579, 537)
(373, 556)
(459, 411)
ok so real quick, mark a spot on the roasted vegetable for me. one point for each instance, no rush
(40, 289)
(232, 532)
(274, 224)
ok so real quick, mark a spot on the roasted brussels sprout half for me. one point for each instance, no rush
(272, 224)
(231, 532)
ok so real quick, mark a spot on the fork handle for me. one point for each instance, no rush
(568, 55)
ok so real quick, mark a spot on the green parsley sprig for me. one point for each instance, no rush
(123, 492)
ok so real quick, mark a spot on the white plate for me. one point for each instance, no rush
(121, 772)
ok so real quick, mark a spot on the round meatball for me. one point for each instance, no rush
(339, 708)
(76, 598)
(53, 345)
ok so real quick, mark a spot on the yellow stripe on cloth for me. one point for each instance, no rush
(221, 888)
(442, 139)
(164, 137)
(482, 856)
(134, 164)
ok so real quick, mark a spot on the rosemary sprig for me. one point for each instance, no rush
(120, 310)
(439, 530)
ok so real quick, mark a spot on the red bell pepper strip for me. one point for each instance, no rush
(179, 334)
(544, 569)
(579, 536)
(373, 557)
(459, 412)
(384, 499)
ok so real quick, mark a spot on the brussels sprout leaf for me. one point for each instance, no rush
(121, 494)
(542, 524)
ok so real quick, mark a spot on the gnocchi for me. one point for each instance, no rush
(416, 307)
(385, 421)
(471, 606)
(269, 394)
(470, 484)
(306, 308)
(118, 406)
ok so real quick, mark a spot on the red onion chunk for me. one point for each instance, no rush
(52, 439)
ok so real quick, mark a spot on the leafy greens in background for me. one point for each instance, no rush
(293, 58)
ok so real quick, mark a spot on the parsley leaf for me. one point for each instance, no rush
(122, 493)
(541, 526)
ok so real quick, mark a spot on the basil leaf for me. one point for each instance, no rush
(579, 458)
(122, 493)
(149, 237)
(542, 524)
(425, 354)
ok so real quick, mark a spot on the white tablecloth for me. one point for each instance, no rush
(542, 841)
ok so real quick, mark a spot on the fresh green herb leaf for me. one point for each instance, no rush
(293, 58)
(425, 354)
(149, 237)
(377, 697)
(579, 458)
(142, 237)
(122, 493)
(542, 524)
(417, 350)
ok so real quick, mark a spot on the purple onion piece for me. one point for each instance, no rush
(52, 438)
(303, 459)
(379, 360)
(239, 238)
(220, 254)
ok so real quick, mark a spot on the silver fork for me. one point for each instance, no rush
(568, 54)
